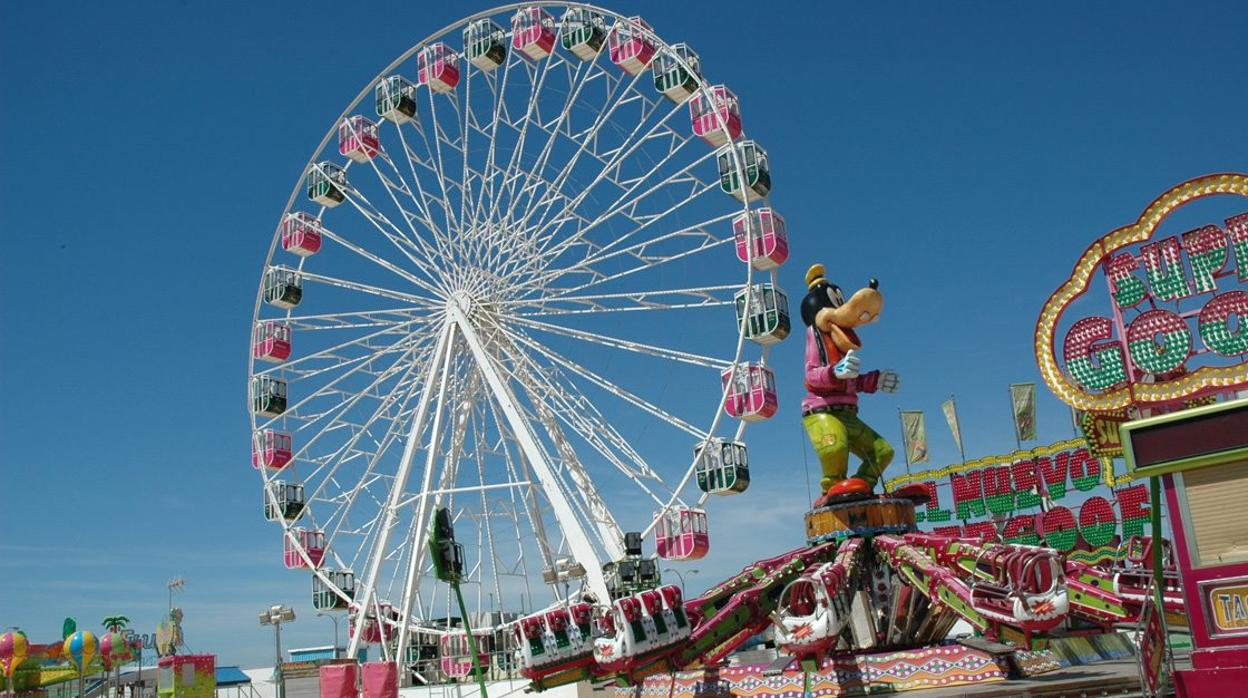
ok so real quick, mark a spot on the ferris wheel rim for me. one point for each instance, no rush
(703, 86)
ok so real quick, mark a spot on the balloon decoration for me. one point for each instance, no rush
(13, 649)
(80, 648)
(113, 650)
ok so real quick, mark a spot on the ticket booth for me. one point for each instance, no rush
(1201, 456)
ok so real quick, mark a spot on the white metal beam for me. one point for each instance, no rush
(390, 516)
(578, 541)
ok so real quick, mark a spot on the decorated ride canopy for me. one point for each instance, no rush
(1175, 327)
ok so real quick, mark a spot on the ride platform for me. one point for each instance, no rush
(860, 517)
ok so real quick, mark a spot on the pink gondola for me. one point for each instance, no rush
(270, 449)
(357, 138)
(374, 631)
(712, 111)
(771, 238)
(271, 342)
(533, 32)
(456, 656)
(631, 44)
(437, 67)
(310, 541)
(681, 534)
(301, 234)
(751, 396)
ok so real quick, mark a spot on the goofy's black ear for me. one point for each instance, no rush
(816, 296)
(811, 304)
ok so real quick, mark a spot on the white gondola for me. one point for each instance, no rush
(327, 184)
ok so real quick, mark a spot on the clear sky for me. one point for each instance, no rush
(963, 153)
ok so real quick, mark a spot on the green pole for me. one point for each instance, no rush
(472, 641)
(1158, 577)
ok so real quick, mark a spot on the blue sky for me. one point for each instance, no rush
(963, 153)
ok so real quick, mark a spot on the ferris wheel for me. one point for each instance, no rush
(527, 276)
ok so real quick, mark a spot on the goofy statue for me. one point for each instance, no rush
(833, 381)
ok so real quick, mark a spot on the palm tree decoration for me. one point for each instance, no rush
(115, 623)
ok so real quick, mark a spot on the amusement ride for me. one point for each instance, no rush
(504, 280)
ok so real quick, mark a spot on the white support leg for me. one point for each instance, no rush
(578, 541)
(417, 545)
(390, 515)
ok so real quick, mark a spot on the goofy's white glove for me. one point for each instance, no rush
(848, 367)
(890, 381)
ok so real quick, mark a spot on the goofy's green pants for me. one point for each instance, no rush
(835, 432)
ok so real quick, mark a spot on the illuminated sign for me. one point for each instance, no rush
(1178, 325)
(1100, 429)
(1004, 492)
(1229, 604)
(1192, 438)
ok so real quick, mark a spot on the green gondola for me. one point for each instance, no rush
(396, 99)
(757, 172)
(768, 320)
(289, 505)
(324, 598)
(671, 76)
(723, 467)
(283, 287)
(485, 44)
(268, 396)
(326, 184)
(583, 33)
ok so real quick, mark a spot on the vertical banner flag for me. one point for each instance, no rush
(914, 434)
(1023, 396)
(951, 416)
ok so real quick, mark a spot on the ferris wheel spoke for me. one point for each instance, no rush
(625, 301)
(612, 161)
(358, 319)
(453, 226)
(514, 171)
(630, 211)
(697, 237)
(499, 89)
(608, 386)
(560, 126)
(412, 239)
(368, 288)
(332, 352)
(626, 344)
(362, 364)
(580, 415)
(440, 235)
(395, 236)
(405, 365)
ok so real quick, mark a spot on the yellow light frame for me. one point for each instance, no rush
(1204, 378)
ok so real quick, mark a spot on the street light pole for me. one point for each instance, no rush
(334, 618)
(175, 584)
(275, 616)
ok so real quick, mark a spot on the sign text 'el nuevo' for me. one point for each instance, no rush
(987, 491)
